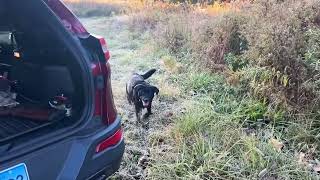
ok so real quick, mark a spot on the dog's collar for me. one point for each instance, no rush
(137, 85)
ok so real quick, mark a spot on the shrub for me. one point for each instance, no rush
(217, 37)
(153, 14)
(312, 54)
(278, 46)
(272, 44)
(143, 21)
(175, 34)
(235, 62)
(278, 41)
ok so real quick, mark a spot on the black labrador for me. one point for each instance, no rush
(141, 93)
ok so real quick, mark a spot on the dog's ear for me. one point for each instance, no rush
(155, 90)
(135, 94)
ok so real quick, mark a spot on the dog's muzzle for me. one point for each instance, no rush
(145, 104)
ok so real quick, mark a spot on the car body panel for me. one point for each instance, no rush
(68, 18)
(74, 158)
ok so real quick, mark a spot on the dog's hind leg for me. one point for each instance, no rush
(128, 95)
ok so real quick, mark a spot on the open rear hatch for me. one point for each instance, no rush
(40, 79)
(27, 100)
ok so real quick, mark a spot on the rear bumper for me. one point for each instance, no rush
(74, 158)
(93, 163)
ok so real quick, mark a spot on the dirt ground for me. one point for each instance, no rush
(133, 53)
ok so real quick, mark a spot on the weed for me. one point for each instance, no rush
(235, 62)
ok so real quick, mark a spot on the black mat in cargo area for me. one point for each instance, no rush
(11, 127)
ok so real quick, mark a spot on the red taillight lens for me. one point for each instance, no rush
(104, 103)
(104, 47)
(110, 142)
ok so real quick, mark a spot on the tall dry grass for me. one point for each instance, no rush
(95, 8)
(273, 41)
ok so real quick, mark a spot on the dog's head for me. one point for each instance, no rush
(145, 94)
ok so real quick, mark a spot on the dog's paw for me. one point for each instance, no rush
(138, 119)
(147, 115)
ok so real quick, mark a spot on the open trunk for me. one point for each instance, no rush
(40, 79)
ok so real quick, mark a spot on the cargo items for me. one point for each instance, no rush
(58, 108)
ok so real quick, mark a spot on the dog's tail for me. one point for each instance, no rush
(148, 74)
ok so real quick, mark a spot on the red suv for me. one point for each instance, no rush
(57, 115)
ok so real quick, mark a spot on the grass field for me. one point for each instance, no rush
(238, 96)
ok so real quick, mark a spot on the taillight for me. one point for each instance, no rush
(110, 142)
(104, 47)
(104, 103)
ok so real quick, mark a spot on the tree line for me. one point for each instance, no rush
(194, 1)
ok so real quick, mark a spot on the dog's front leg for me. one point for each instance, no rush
(149, 112)
(149, 109)
(138, 112)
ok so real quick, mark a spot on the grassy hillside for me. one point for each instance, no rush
(248, 80)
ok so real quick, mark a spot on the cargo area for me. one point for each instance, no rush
(40, 79)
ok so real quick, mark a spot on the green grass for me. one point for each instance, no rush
(211, 144)
(199, 82)
(222, 135)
